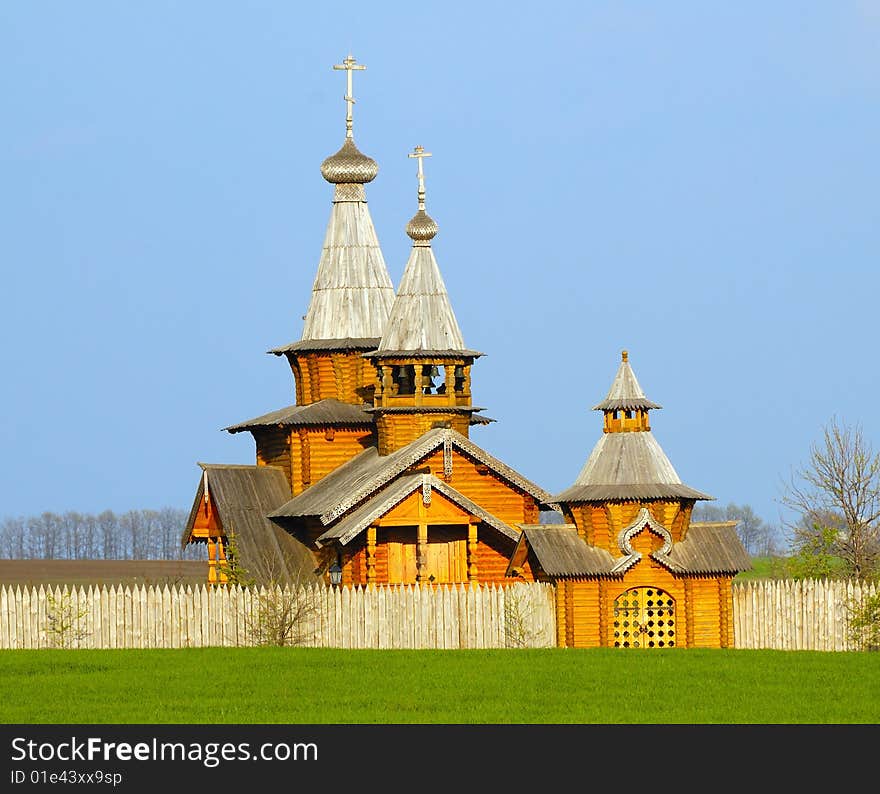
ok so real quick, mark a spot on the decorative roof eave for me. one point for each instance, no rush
(324, 413)
(422, 409)
(432, 440)
(418, 353)
(630, 555)
(627, 403)
(350, 527)
(326, 345)
(629, 493)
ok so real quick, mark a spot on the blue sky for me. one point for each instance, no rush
(695, 183)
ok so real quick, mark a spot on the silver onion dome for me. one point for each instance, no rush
(421, 227)
(349, 166)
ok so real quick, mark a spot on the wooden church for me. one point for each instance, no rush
(372, 471)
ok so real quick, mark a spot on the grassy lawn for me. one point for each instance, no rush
(314, 685)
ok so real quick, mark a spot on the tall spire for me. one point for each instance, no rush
(421, 318)
(352, 292)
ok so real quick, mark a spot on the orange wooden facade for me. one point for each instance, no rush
(207, 529)
(306, 454)
(342, 375)
(649, 606)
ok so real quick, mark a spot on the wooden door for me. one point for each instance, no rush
(402, 555)
(447, 554)
(644, 617)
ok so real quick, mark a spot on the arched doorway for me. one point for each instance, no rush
(644, 617)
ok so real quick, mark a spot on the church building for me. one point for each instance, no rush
(373, 468)
(372, 474)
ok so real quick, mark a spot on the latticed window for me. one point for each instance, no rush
(644, 617)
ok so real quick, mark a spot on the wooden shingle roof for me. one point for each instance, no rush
(348, 486)
(560, 551)
(352, 292)
(710, 548)
(625, 466)
(421, 320)
(351, 525)
(242, 497)
(625, 392)
(324, 412)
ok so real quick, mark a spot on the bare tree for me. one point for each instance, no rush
(758, 537)
(836, 496)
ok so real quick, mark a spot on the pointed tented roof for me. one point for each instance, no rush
(421, 320)
(243, 496)
(625, 392)
(349, 486)
(352, 292)
(628, 466)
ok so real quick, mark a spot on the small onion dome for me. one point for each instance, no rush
(421, 227)
(349, 166)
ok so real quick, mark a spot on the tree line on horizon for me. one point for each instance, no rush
(132, 535)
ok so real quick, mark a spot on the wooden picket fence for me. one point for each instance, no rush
(405, 616)
(777, 614)
(797, 615)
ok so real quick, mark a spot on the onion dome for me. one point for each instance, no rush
(422, 228)
(349, 166)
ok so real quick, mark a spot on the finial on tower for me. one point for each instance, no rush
(624, 356)
(420, 154)
(349, 65)
(422, 227)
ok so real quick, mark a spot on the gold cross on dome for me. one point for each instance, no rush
(349, 65)
(420, 154)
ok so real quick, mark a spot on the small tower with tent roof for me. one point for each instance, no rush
(630, 568)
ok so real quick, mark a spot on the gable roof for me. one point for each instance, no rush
(368, 472)
(324, 412)
(242, 497)
(358, 520)
(628, 466)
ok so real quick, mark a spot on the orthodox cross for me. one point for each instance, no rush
(349, 65)
(419, 153)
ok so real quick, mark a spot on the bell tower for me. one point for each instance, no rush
(422, 364)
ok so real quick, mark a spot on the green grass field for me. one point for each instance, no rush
(318, 686)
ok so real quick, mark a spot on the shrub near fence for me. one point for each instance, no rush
(777, 614)
(407, 616)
